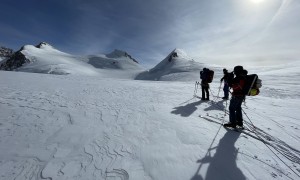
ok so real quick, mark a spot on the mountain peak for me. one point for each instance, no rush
(176, 65)
(179, 53)
(43, 45)
(119, 54)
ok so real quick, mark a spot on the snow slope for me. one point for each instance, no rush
(88, 127)
(49, 60)
(115, 60)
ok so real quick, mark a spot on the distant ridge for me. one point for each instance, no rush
(44, 58)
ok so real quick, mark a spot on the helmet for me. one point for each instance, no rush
(238, 69)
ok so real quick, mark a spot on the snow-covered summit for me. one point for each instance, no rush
(46, 47)
(43, 45)
(177, 59)
(176, 66)
(44, 58)
(118, 60)
(119, 54)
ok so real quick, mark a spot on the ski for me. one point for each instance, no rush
(236, 129)
(245, 131)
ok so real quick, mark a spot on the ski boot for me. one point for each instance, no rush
(230, 125)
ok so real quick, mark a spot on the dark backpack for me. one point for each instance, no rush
(207, 75)
(230, 78)
(252, 85)
(210, 76)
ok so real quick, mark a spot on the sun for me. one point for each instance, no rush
(256, 1)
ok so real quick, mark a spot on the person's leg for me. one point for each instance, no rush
(232, 110)
(226, 91)
(239, 115)
(207, 93)
(203, 89)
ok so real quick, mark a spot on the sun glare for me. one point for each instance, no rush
(256, 1)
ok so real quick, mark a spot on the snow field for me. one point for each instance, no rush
(78, 127)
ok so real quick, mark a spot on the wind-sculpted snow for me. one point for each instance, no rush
(91, 128)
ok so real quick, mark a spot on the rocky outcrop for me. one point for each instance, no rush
(5, 52)
(41, 44)
(15, 61)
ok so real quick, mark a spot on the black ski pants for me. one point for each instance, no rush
(205, 88)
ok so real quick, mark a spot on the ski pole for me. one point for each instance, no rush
(219, 89)
(196, 86)
(225, 109)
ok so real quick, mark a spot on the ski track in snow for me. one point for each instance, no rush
(103, 130)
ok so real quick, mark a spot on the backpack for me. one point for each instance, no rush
(252, 85)
(230, 78)
(210, 76)
(207, 75)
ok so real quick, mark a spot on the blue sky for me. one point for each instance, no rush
(220, 31)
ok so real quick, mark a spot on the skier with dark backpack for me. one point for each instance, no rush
(206, 76)
(226, 86)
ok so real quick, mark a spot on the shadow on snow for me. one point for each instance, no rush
(217, 105)
(188, 109)
(222, 164)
